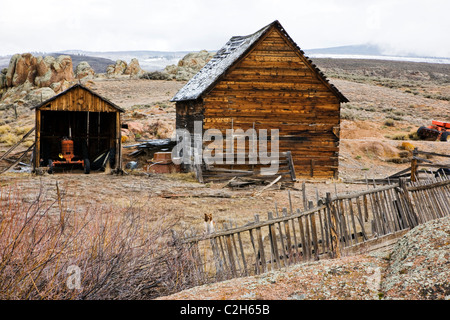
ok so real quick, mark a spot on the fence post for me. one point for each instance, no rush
(334, 236)
(414, 165)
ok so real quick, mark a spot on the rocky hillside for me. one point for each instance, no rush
(416, 268)
(185, 69)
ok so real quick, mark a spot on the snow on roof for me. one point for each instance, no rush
(235, 48)
(222, 60)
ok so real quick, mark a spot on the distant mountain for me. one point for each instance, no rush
(97, 63)
(363, 49)
(367, 51)
(148, 60)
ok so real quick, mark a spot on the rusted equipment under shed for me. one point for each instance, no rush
(265, 81)
(78, 127)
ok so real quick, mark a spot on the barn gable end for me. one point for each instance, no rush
(92, 122)
(269, 85)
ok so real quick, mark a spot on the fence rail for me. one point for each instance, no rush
(324, 230)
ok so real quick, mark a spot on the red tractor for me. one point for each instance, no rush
(437, 131)
(67, 156)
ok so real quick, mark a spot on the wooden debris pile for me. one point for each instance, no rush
(149, 147)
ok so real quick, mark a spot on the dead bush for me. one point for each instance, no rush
(47, 245)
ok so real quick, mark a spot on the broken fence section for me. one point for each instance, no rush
(326, 229)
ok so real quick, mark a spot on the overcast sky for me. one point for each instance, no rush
(399, 26)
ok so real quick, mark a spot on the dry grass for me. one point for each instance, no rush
(9, 138)
(120, 253)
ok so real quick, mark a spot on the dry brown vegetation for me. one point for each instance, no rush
(121, 253)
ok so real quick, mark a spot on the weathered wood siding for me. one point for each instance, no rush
(187, 113)
(78, 99)
(274, 88)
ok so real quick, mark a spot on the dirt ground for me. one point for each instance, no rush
(364, 153)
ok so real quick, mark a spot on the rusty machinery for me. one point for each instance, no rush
(437, 131)
(68, 157)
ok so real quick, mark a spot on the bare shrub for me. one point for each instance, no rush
(120, 253)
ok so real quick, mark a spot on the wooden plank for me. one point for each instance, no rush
(236, 254)
(291, 165)
(334, 230)
(287, 232)
(312, 221)
(18, 160)
(217, 260)
(257, 256)
(224, 257)
(231, 258)
(274, 242)
(352, 216)
(302, 236)
(308, 239)
(260, 245)
(241, 247)
(361, 218)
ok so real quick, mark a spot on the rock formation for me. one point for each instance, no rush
(36, 71)
(84, 70)
(121, 68)
(133, 68)
(185, 69)
(28, 80)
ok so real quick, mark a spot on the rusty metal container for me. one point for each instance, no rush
(162, 163)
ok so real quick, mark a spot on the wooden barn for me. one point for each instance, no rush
(78, 127)
(265, 81)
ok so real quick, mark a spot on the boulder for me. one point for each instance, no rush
(3, 78)
(133, 68)
(189, 65)
(84, 70)
(22, 68)
(51, 70)
(35, 97)
(116, 69)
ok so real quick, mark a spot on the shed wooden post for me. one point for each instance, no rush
(37, 146)
(118, 143)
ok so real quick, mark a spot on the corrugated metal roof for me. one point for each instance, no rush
(230, 53)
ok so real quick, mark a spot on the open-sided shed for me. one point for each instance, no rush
(265, 81)
(78, 114)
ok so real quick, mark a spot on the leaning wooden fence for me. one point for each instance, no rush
(325, 230)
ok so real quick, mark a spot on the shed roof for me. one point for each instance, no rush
(78, 85)
(228, 55)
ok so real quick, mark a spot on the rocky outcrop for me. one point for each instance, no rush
(84, 70)
(51, 70)
(29, 80)
(36, 71)
(184, 70)
(134, 69)
(22, 68)
(189, 65)
(121, 68)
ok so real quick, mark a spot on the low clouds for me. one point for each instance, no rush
(399, 26)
